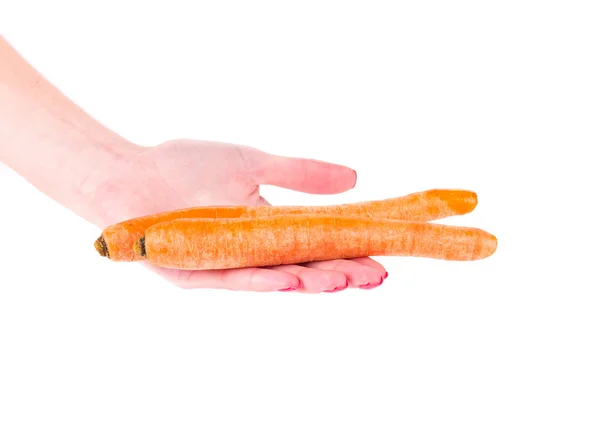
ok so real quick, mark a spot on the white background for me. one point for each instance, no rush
(502, 98)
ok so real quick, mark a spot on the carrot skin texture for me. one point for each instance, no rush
(116, 241)
(196, 243)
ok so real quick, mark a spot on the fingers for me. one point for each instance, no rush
(358, 274)
(328, 276)
(247, 279)
(316, 280)
(304, 175)
(368, 261)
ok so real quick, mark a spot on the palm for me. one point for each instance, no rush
(186, 173)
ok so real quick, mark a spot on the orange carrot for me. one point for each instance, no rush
(116, 241)
(201, 243)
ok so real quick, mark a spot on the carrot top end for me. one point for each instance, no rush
(100, 246)
(139, 247)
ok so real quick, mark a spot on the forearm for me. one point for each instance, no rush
(49, 141)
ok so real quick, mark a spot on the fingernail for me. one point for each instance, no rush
(291, 289)
(371, 285)
(337, 289)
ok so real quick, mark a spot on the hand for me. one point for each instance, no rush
(105, 179)
(187, 173)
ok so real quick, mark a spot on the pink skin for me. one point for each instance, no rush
(339, 289)
(105, 178)
(371, 285)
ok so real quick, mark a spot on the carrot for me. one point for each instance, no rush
(116, 241)
(201, 243)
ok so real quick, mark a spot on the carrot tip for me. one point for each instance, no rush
(140, 247)
(490, 246)
(464, 201)
(100, 246)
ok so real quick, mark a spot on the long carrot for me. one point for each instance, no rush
(199, 243)
(116, 241)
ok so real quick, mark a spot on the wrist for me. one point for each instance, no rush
(102, 191)
(59, 148)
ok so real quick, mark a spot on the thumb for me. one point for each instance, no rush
(304, 175)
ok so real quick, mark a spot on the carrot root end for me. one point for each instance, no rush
(490, 246)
